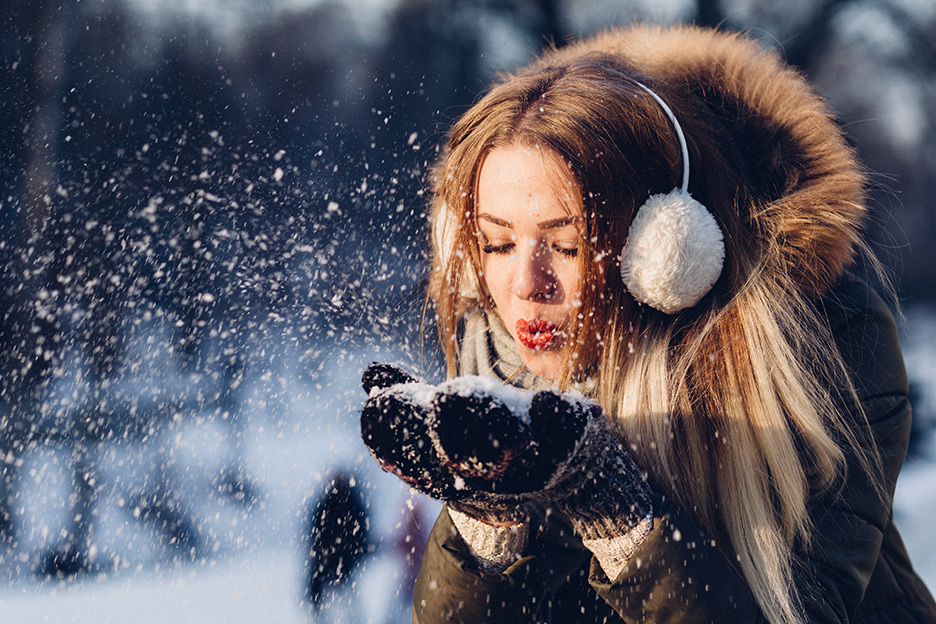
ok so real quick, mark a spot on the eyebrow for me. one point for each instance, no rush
(543, 225)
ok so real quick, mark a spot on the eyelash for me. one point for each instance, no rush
(504, 249)
(497, 250)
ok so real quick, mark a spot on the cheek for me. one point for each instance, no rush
(496, 272)
(569, 275)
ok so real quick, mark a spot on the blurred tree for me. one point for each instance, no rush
(44, 20)
(37, 51)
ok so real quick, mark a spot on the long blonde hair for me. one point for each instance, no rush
(735, 407)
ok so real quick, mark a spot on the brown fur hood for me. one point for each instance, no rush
(807, 190)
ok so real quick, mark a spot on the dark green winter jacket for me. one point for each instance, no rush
(857, 570)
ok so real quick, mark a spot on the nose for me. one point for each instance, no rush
(534, 278)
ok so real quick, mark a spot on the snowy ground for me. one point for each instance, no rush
(293, 432)
(255, 589)
(252, 572)
(263, 588)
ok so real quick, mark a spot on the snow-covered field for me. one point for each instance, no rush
(263, 587)
(250, 569)
(292, 433)
(253, 569)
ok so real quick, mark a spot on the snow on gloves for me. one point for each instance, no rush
(488, 448)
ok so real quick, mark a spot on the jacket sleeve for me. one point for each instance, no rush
(678, 575)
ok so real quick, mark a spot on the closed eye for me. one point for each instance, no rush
(571, 252)
(497, 249)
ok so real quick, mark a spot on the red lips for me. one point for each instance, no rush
(536, 334)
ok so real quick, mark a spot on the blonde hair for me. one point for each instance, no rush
(736, 406)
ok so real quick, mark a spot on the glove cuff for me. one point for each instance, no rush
(492, 514)
(495, 548)
(610, 527)
(614, 553)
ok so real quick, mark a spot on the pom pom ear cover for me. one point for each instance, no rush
(674, 252)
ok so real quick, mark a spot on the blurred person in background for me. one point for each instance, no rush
(338, 537)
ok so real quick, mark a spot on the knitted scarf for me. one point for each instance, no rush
(487, 348)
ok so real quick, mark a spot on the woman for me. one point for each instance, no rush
(662, 221)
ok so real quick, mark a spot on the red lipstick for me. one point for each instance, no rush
(536, 334)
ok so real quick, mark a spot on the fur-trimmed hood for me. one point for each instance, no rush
(814, 202)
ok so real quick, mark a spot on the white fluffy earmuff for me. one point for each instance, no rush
(675, 250)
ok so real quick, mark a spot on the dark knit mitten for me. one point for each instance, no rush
(600, 489)
(398, 427)
(394, 429)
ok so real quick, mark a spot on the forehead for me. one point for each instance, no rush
(519, 181)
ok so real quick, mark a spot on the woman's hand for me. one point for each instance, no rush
(490, 447)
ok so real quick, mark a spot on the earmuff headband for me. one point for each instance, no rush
(679, 133)
(675, 249)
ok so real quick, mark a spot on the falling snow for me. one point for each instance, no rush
(212, 221)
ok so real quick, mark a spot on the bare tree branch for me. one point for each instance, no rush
(550, 26)
(921, 58)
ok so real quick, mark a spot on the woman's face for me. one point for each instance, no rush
(527, 215)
